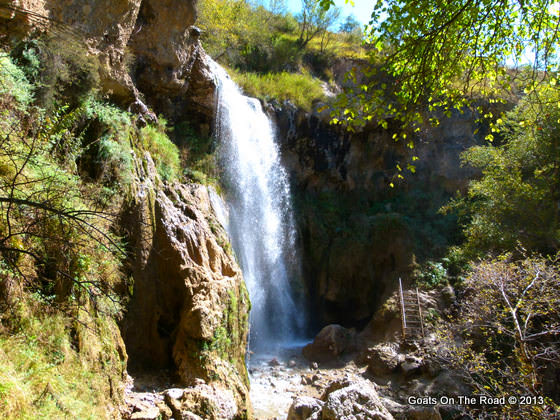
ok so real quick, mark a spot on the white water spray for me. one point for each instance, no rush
(260, 222)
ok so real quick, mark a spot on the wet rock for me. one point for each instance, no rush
(331, 342)
(356, 401)
(292, 363)
(305, 408)
(274, 362)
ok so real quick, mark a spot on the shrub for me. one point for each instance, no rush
(431, 274)
(14, 83)
(516, 199)
(504, 338)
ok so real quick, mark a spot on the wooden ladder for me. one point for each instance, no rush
(412, 323)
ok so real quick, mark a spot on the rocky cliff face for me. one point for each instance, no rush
(147, 49)
(358, 234)
(189, 309)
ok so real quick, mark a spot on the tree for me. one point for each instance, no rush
(441, 55)
(350, 25)
(515, 201)
(315, 21)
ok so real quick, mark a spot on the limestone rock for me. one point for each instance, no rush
(189, 296)
(331, 342)
(144, 47)
(203, 401)
(358, 401)
(149, 414)
(305, 408)
(383, 359)
(411, 365)
(171, 67)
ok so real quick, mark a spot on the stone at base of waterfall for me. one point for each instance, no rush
(305, 408)
(411, 365)
(342, 401)
(202, 402)
(357, 401)
(331, 342)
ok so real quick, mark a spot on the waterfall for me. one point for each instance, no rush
(260, 219)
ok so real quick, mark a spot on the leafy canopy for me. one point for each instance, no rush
(446, 53)
(515, 201)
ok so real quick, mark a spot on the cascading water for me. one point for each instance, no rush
(260, 221)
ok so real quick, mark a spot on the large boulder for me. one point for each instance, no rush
(203, 402)
(383, 359)
(331, 342)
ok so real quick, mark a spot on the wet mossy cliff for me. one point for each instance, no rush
(358, 233)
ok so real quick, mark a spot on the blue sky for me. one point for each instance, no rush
(361, 10)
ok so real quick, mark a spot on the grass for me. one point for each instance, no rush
(44, 375)
(162, 150)
(301, 89)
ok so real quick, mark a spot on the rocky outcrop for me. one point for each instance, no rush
(305, 408)
(343, 401)
(146, 48)
(331, 343)
(170, 66)
(358, 234)
(189, 308)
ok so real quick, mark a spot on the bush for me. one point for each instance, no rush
(515, 202)
(431, 274)
(13, 82)
(504, 338)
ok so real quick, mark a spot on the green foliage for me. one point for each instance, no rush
(441, 56)
(515, 201)
(110, 133)
(60, 67)
(266, 44)
(198, 154)
(163, 151)
(431, 274)
(45, 374)
(301, 89)
(14, 83)
(315, 21)
(60, 264)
